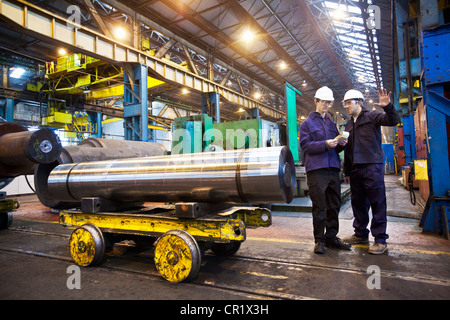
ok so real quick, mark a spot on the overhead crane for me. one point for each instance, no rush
(77, 75)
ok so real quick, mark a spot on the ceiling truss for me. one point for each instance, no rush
(295, 41)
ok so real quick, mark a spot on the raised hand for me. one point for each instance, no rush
(384, 98)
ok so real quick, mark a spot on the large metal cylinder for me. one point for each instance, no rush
(91, 149)
(21, 149)
(260, 175)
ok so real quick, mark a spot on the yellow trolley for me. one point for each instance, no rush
(180, 241)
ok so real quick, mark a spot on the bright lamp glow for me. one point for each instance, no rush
(248, 35)
(120, 33)
(339, 14)
(354, 53)
(17, 73)
(62, 51)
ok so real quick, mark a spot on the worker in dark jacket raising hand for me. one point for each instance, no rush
(364, 166)
(322, 164)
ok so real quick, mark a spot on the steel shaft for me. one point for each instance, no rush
(260, 175)
(91, 149)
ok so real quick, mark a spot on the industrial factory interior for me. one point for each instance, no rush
(229, 157)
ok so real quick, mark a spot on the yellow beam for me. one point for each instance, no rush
(117, 91)
(150, 126)
(221, 229)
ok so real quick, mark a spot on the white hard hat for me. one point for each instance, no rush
(325, 94)
(353, 94)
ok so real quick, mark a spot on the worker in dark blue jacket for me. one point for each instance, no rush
(322, 164)
(364, 166)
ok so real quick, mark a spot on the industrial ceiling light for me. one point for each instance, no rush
(283, 65)
(304, 83)
(248, 35)
(184, 91)
(362, 79)
(120, 33)
(62, 51)
(354, 53)
(339, 14)
(17, 73)
(257, 95)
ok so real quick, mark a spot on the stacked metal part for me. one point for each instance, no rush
(259, 175)
(21, 149)
(92, 149)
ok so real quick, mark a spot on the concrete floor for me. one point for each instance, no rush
(273, 263)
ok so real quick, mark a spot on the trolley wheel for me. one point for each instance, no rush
(177, 256)
(6, 219)
(87, 245)
(226, 249)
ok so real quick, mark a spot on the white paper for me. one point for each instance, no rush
(343, 136)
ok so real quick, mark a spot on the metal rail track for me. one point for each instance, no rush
(249, 292)
(252, 294)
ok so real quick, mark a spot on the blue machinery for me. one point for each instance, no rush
(436, 91)
(8, 110)
(135, 102)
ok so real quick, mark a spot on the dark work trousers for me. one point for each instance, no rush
(325, 193)
(368, 191)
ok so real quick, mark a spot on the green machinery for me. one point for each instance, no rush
(198, 134)
(292, 122)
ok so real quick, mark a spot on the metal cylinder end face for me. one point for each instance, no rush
(44, 146)
(287, 174)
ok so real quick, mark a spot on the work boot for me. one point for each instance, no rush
(338, 244)
(356, 240)
(377, 248)
(319, 248)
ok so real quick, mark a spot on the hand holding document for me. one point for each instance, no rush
(342, 137)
